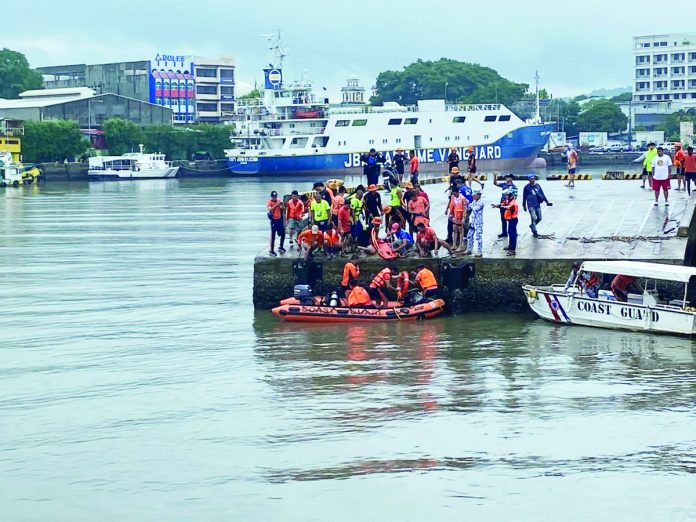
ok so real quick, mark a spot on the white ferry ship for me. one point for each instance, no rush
(130, 166)
(289, 130)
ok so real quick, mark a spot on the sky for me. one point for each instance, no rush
(576, 47)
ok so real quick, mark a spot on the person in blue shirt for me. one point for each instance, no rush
(532, 198)
(402, 241)
(508, 185)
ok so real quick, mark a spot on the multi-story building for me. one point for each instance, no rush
(665, 68)
(168, 80)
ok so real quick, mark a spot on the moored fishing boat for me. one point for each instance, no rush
(570, 304)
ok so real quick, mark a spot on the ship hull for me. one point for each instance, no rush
(517, 150)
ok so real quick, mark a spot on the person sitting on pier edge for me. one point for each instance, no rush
(358, 297)
(379, 285)
(274, 206)
(351, 271)
(311, 240)
(508, 185)
(319, 211)
(337, 203)
(532, 198)
(402, 241)
(512, 210)
(399, 160)
(295, 211)
(428, 242)
(414, 164)
(366, 246)
(619, 287)
(427, 281)
(332, 241)
(372, 162)
(453, 160)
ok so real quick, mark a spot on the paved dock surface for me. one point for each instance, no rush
(596, 219)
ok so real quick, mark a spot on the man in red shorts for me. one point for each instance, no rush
(661, 171)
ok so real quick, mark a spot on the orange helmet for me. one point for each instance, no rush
(386, 209)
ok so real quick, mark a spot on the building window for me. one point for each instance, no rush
(459, 119)
(447, 138)
(359, 123)
(489, 118)
(227, 75)
(385, 141)
(663, 44)
(394, 121)
(456, 138)
(206, 89)
(205, 72)
(206, 107)
(410, 121)
(227, 107)
(677, 57)
(398, 140)
(226, 90)
(342, 123)
(504, 117)
(371, 142)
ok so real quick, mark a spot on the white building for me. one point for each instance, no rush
(214, 79)
(665, 68)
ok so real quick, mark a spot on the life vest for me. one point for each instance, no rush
(380, 280)
(457, 207)
(295, 209)
(403, 283)
(359, 297)
(336, 204)
(350, 271)
(513, 210)
(426, 279)
(395, 200)
(331, 237)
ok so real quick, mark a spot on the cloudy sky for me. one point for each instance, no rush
(577, 47)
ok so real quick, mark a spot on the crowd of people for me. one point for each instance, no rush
(337, 223)
(658, 167)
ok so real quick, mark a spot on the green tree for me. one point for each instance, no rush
(122, 136)
(15, 74)
(464, 83)
(623, 97)
(52, 140)
(671, 124)
(252, 95)
(601, 116)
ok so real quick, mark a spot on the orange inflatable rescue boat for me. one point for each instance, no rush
(294, 310)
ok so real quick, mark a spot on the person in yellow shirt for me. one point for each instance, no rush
(320, 211)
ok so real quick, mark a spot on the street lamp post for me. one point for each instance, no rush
(446, 84)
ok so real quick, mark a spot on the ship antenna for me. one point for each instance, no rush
(537, 115)
(275, 45)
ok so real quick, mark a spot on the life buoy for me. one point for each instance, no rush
(532, 296)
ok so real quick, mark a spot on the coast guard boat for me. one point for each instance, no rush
(134, 165)
(290, 130)
(643, 312)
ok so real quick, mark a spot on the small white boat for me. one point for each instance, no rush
(571, 305)
(134, 165)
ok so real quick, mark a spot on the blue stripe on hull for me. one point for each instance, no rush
(516, 150)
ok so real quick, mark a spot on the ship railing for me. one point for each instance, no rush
(248, 102)
(474, 107)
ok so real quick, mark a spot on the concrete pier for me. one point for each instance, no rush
(597, 219)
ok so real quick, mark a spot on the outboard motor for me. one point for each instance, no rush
(303, 293)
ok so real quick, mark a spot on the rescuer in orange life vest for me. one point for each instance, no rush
(426, 279)
(351, 271)
(380, 283)
(358, 296)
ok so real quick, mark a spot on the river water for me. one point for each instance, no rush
(138, 383)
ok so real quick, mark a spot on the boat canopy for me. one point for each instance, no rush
(642, 270)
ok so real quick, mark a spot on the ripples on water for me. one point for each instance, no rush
(137, 383)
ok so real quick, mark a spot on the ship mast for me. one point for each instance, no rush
(276, 47)
(537, 114)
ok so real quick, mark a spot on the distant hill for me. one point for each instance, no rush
(609, 93)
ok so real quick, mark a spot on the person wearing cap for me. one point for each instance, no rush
(453, 160)
(372, 203)
(572, 158)
(399, 163)
(402, 241)
(275, 207)
(427, 241)
(471, 165)
(647, 165)
(512, 210)
(678, 161)
(456, 209)
(661, 171)
(372, 161)
(475, 234)
(311, 240)
(508, 185)
(320, 211)
(532, 198)
(295, 211)
(414, 164)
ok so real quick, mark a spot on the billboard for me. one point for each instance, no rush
(172, 84)
(273, 79)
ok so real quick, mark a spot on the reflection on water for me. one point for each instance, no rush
(139, 384)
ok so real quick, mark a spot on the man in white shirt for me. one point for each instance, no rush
(661, 171)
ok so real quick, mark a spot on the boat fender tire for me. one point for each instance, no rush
(532, 296)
